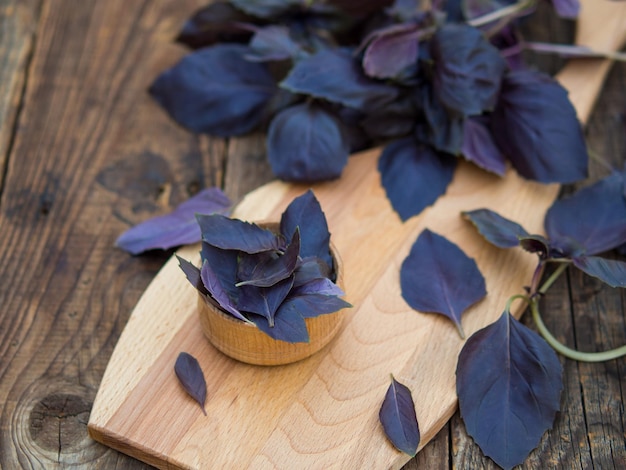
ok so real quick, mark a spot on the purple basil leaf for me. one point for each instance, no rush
(224, 265)
(536, 126)
(179, 227)
(306, 143)
(217, 22)
(404, 10)
(213, 284)
(335, 75)
(414, 175)
(265, 8)
(191, 377)
(322, 286)
(391, 50)
(216, 90)
(594, 216)
(314, 305)
(272, 43)
(480, 148)
(306, 213)
(271, 270)
(438, 277)
(567, 8)
(509, 42)
(397, 415)
(193, 275)
(395, 120)
(233, 234)
(468, 69)
(264, 300)
(440, 128)
(611, 272)
(311, 268)
(288, 326)
(508, 380)
(497, 230)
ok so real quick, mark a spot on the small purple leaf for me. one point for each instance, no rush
(216, 90)
(414, 175)
(391, 50)
(438, 277)
(509, 382)
(271, 270)
(218, 292)
(191, 378)
(233, 234)
(335, 75)
(264, 300)
(397, 415)
(305, 213)
(497, 230)
(594, 216)
(289, 325)
(480, 148)
(307, 143)
(179, 227)
(536, 126)
(611, 272)
(322, 286)
(272, 43)
(193, 274)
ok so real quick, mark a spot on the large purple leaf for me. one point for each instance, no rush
(536, 126)
(314, 305)
(179, 227)
(265, 271)
(217, 291)
(305, 213)
(216, 90)
(508, 380)
(397, 415)
(191, 377)
(289, 325)
(594, 216)
(468, 69)
(217, 22)
(611, 272)
(438, 277)
(497, 230)
(414, 175)
(335, 75)
(480, 148)
(307, 143)
(391, 50)
(264, 300)
(233, 234)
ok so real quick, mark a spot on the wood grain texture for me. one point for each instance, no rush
(90, 155)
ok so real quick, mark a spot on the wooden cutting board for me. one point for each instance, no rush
(322, 412)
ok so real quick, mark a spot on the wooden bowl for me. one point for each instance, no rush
(246, 343)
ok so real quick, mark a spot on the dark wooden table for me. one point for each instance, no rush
(85, 153)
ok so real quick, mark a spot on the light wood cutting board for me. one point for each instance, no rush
(322, 412)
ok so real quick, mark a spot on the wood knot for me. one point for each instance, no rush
(51, 423)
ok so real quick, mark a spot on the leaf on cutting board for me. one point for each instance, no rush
(497, 230)
(509, 381)
(397, 415)
(191, 377)
(233, 234)
(414, 175)
(438, 277)
(179, 227)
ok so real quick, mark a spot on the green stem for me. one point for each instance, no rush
(502, 13)
(555, 343)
